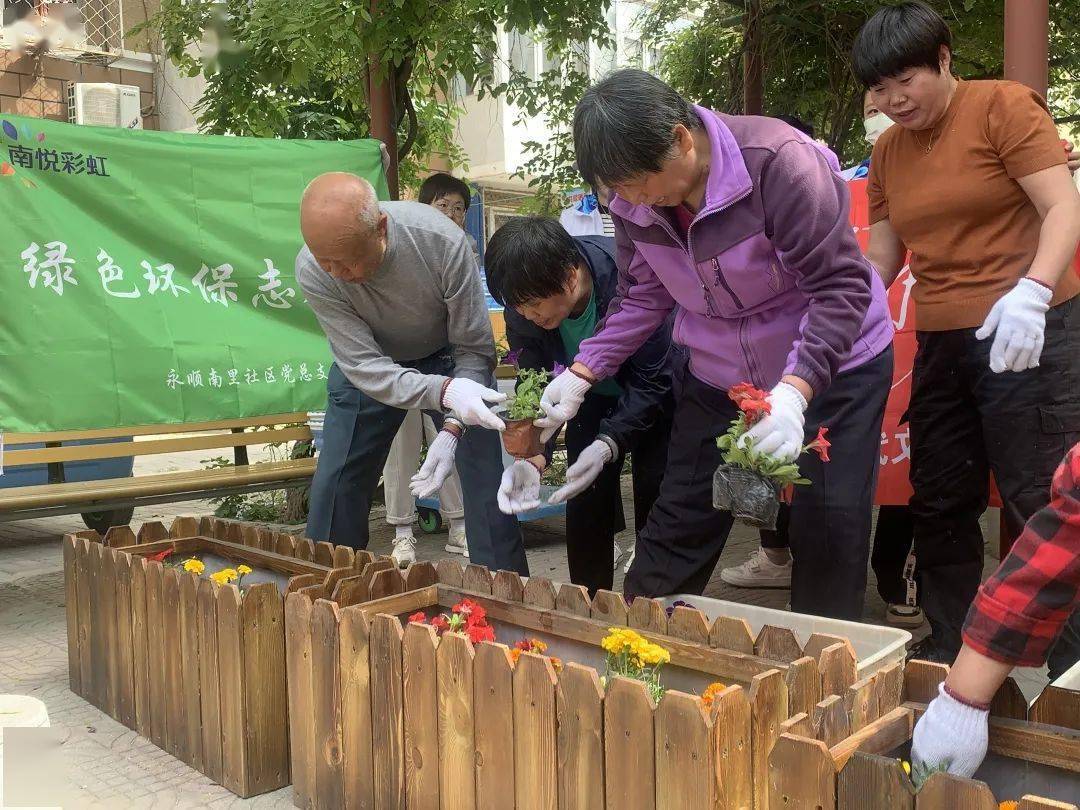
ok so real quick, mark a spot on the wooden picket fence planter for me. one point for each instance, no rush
(837, 765)
(385, 714)
(197, 668)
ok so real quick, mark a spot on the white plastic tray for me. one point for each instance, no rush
(876, 647)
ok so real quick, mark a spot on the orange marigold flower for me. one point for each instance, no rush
(710, 693)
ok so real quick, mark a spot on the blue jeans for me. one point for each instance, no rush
(357, 435)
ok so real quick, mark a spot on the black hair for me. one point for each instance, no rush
(442, 185)
(798, 123)
(623, 126)
(529, 258)
(898, 38)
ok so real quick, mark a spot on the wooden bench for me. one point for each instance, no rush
(108, 502)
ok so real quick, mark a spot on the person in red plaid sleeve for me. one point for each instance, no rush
(1014, 620)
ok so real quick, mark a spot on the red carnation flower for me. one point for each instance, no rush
(755, 409)
(440, 623)
(418, 617)
(743, 391)
(479, 632)
(821, 445)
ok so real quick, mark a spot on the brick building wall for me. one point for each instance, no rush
(37, 87)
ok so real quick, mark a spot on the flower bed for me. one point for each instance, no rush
(388, 712)
(167, 644)
(835, 762)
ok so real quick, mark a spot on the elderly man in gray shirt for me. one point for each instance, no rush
(395, 288)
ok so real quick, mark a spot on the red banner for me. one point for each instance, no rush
(893, 485)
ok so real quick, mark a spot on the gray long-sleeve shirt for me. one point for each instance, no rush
(425, 296)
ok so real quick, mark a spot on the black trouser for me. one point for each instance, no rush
(777, 538)
(357, 435)
(830, 518)
(967, 421)
(892, 545)
(594, 517)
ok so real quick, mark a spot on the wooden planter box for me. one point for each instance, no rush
(837, 766)
(197, 668)
(385, 714)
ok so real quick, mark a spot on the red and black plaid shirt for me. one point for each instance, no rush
(1020, 610)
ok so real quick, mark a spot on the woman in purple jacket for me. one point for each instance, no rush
(739, 225)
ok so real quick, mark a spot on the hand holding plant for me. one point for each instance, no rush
(753, 407)
(751, 483)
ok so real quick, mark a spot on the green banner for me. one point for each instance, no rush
(148, 277)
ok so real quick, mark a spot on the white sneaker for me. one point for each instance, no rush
(404, 553)
(629, 560)
(758, 572)
(456, 543)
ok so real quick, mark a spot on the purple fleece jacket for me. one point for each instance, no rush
(770, 279)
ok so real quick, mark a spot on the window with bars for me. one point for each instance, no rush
(68, 27)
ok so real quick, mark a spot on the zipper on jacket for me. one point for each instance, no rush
(723, 283)
(710, 307)
(744, 342)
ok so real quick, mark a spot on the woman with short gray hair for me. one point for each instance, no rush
(738, 224)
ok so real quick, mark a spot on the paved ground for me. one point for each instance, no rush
(109, 765)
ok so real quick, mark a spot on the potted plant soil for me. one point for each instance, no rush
(750, 484)
(521, 438)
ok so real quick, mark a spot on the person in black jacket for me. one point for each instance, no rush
(556, 289)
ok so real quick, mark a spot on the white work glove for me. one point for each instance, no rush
(519, 490)
(468, 401)
(583, 472)
(436, 467)
(780, 433)
(560, 402)
(951, 735)
(1019, 320)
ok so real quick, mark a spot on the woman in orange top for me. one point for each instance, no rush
(973, 181)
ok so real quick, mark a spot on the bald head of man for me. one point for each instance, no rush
(343, 226)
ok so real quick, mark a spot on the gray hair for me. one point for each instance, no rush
(624, 126)
(368, 210)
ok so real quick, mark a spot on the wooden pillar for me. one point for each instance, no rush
(1027, 42)
(1027, 46)
(382, 111)
(753, 69)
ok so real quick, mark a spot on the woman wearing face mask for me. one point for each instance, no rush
(739, 225)
(875, 122)
(973, 180)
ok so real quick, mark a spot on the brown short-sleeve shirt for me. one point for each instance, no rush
(971, 229)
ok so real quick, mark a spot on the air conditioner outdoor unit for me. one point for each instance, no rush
(104, 105)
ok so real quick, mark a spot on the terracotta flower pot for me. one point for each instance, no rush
(522, 438)
(751, 499)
